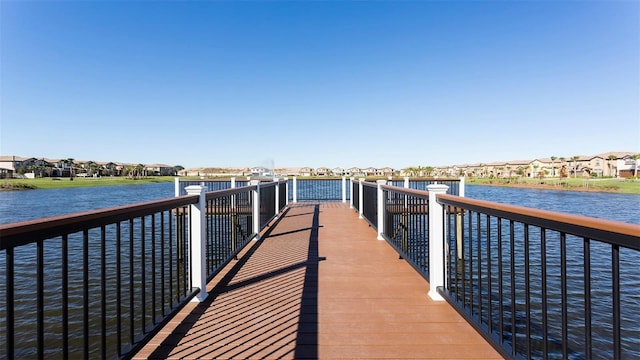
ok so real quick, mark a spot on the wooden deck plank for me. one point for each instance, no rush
(319, 285)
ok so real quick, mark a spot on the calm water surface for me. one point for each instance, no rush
(34, 204)
(612, 206)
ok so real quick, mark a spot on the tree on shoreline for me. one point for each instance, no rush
(574, 160)
(612, 158)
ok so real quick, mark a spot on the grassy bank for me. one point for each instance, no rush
(628, 186)
(51, 183)
(625, 186)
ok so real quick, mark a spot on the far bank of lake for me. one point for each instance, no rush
(623, 186)
(609, 185)
(57, 183)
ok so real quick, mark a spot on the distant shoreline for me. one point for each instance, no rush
(601, 185)
(628, 187)
(59, 183)
(549, 187)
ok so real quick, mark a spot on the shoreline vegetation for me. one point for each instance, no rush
(621, 186)
(56, 183)
(624, 186)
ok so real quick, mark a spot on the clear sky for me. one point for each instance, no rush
(326, 83)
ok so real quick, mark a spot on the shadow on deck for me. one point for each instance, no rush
(318, 285)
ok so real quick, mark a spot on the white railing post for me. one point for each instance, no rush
(351, 197)
(286, 195)
(436, 241)
(177, 186)
(344, 189)
(198, 242)
(406, 186)
(360, 199)
(295, 189)
(277, 181)
(233, 197)
(256, 208)
(381, 208)
(459, 221)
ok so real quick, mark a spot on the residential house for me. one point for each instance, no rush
(306, 171)
(355, 171)
(9, 165)
(385, 171)
(627, 166)
(370, 171)
(112, 169)
(159, 170)
(338, 171)
(322, 171)
(260, 171)
(611, 161)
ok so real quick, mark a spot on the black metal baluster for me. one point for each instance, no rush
(545, 324)
(217, 241)
(119, 288)
(10, 322)
(563, 293)
(85, 300)
(489, 277)
(462, 262)
(186, 255)
(153, 269)
(132, 315)
(479, 261)
(587, 297)
(65, 296)
(471, 292)
(162, 267)
(527, 291)
(143, 279)
(103, 291)
(40, 298)
(615, 279)
(170, 241)
(500, 284)
(514, 333)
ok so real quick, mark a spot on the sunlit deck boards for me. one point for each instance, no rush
(319, 285)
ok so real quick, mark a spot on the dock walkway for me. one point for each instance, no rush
(318, 285)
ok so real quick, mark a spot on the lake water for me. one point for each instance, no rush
(33, 204)
(612, 206)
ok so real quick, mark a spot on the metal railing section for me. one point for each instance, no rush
(355, 196)
(455, 186)
(209, 184)
(89, 285)
(544, 284)
(268, 208)
(283, 200)
(229, 226)
(369, 203)
(317, 189)
(406, 225)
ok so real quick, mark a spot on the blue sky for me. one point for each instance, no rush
(237, 84)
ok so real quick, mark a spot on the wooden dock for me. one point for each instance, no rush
(318, 285)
